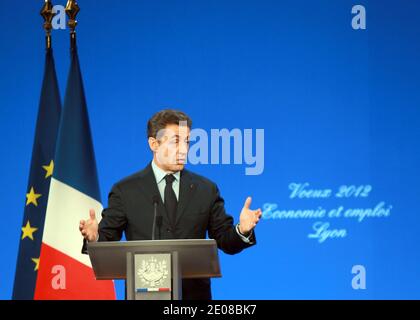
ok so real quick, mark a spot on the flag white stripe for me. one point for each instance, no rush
(66, 207)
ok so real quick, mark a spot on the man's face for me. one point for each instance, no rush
(171, 147)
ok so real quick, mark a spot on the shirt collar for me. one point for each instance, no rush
(160, 174)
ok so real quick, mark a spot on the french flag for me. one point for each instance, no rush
(64, 272)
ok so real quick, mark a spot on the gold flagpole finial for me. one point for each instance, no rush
(72, 9)
(48, 15)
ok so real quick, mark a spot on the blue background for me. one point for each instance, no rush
(338, 106)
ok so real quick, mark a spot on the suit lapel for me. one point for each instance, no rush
(150, 189)
(186, 191)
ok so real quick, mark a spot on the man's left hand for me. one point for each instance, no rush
(248, 218)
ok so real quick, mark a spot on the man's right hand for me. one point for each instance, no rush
(89, 228)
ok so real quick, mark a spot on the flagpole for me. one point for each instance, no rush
(72, 9)
(48, 14)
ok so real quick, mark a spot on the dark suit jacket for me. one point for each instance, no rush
(200, 210)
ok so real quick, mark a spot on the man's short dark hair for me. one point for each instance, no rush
(162, 118)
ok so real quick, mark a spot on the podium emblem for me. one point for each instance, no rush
(153, 272)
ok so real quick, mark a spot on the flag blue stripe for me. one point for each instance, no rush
(75, 158)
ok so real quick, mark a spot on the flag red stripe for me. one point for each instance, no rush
(57, 269)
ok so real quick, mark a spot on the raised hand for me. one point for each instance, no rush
(89, 228)
(248, 218)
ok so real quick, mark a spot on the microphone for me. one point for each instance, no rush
(155, 217)
(159, 220)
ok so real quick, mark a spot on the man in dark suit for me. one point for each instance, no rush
(190, 204)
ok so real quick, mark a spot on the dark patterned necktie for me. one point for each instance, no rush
(171, 202)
